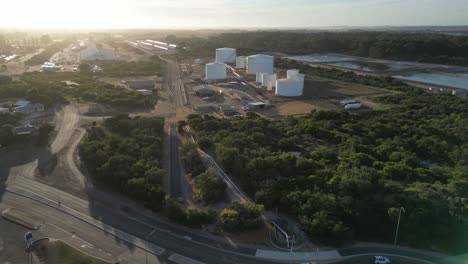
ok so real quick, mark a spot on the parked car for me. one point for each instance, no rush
(381, 260)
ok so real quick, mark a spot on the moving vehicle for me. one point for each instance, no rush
(381, 260)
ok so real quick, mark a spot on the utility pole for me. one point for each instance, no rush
(146, 244)
(398, 225)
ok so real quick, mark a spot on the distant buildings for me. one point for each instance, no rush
(27, 107)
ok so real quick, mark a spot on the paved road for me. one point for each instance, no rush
(411, 255)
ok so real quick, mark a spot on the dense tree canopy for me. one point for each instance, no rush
(424, 47)
(125, 155)
(356, 169)
(49, 87)
(209, 187)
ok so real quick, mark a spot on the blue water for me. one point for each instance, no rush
(321, 58)
(457, 82)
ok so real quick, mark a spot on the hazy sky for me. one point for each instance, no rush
(229, 13)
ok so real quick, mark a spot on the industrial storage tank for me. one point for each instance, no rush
(259, 63)
(240, 62)
(289, 87)
(291, 73)
(269, 80)
(215, 71)
(259, 76)
(226, 55)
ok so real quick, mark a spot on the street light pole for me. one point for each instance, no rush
(398, 225)
(146, 244)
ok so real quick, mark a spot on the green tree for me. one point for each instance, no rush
(6, 135)
(84, 68)
(209, 187)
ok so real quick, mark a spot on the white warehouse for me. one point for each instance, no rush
(240, 62)
(226, 55)
(215, 71)
(260, 63)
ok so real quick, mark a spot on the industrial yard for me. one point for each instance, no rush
(229, 85)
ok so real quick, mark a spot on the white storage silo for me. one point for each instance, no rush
(259, 76)
(269, 80)
(259, 63)
(215, 71)
(226, 55)
(240, 62)
(292, 73)
(289, 87)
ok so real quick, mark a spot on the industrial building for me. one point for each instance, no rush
(215, 71)
(204, 90)
(259, 63)
(226, 55)
(27, 107)
(240, 62)
(92, 53)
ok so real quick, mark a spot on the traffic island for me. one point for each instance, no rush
(21, 218)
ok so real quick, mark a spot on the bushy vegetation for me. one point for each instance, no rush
(7, 122)
(423, 47)
(345, 76)
(356, 169)
(242, 216)
(154, 66)
(125, 155)
(190, 217)
(209, 187)
(192, 160)
(48, 87)
(47, 53)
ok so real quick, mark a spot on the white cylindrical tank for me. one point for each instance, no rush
(259, 76)
(240, 62)
(289, 87)
(269, 80)
(260, 63)
(226, 55)
(291, 73)
(353, 106)
(215, 71)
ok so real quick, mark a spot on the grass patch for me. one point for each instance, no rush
(67, 254)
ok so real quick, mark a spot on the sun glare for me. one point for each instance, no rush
(64, 14)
